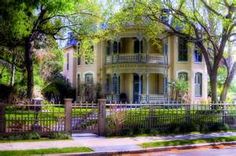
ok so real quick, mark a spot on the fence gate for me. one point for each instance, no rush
(84, 118)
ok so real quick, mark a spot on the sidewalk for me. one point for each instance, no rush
(102, 144)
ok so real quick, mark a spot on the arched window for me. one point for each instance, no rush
(198, 84)
(183, 76)
(89, 78)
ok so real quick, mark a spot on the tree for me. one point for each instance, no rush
(41, 19)
(208, 24)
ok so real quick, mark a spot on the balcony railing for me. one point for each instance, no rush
(135, 58)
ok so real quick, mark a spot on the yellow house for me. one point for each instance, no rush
(131, 65)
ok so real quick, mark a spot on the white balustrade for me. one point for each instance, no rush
(135, 58)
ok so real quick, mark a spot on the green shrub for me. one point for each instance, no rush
(154, 132)
(15, 137)
(31, 135)
(59, 135)
(127, 132)
(219, 127)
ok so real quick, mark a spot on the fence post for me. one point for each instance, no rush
(101, 116)
(2, 119)
(68, 114)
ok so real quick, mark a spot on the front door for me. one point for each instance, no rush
(137, 88)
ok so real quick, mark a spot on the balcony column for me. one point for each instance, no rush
(118, 87)
(140, 38)
(147, 87)
(111, 52)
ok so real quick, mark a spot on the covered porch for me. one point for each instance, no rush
(136, 87)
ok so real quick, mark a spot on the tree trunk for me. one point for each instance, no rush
(213, 84)
(223, 94)
(29, 67)
(227, 83)
(13, 71)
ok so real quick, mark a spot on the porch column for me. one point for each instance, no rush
(111, 50)
(139, 86)
(147, 87)
(139, 47)
(118, 86)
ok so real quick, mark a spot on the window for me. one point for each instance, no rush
(67, 61)
(165, 85)
(165, 15)
(138, 46)
(183, 50)
(108, 47)
(108, 78)
(198, 84)
(89, 79)
(115, 47)
(183, 76)
(197, 55)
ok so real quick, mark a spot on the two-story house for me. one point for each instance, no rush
(132, 65)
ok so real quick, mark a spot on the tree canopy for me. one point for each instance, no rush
(210, 25)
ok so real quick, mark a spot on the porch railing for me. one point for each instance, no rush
(135, 58)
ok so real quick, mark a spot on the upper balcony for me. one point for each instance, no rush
(135, 50)
(135, 58)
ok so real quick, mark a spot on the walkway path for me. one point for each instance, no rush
(102, 144)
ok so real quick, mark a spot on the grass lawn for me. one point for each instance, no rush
(186, 142)
(45, 151)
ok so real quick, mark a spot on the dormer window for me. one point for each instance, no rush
(183, 49)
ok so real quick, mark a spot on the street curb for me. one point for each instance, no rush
(145, 150)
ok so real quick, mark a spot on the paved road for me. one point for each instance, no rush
(226, 151)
